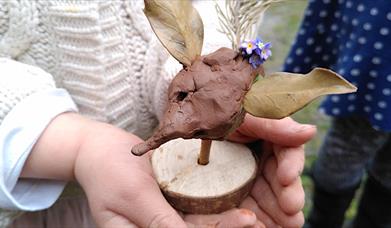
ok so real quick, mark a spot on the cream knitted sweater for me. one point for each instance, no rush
(103, 53)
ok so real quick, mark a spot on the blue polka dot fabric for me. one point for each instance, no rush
(353, 38)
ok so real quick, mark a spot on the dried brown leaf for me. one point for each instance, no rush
(281, 94)
(178, 26)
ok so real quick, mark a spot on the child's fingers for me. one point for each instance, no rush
(267, 201)
(291, 197)
(285, 131)
(250, 204)
(290, 163)
(231, 218)
(236, 136)
(111, 219)
(142, 201)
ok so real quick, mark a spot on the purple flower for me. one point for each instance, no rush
(255, 60)
(266, 52)
(259, 46)
(248, 46)
(256, 51)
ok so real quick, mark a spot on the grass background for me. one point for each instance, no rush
(280, 25)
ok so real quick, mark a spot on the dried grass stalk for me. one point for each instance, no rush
(239, 17)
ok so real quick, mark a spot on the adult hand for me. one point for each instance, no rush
(277, 197)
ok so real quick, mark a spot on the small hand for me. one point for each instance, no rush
(277, 197)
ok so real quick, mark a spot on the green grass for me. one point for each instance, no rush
(280, 25)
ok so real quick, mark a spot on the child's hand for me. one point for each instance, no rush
(278, 196)
(120, 187)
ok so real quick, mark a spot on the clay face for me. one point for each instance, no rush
(205, 99)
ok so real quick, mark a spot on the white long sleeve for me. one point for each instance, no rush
(28, 102)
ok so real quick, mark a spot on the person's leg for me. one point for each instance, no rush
(349, 146)
(375, 204)
(328, 209)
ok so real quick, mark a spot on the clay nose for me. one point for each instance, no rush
(175, 124)
(158, 138)
(141, 148)
(161, 136)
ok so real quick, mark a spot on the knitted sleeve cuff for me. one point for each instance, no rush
(19, 131)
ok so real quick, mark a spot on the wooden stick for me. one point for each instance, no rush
(203, 158)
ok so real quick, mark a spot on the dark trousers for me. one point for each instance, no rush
(352, 148)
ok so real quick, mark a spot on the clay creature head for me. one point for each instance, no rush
(205, 100)
(209, 97)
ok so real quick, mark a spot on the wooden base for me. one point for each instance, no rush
(204, 189)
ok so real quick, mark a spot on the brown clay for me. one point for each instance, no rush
(205, 99)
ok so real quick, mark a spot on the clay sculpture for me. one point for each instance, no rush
(209, 98)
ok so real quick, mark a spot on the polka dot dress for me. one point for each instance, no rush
(353, 38)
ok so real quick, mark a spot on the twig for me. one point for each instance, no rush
(203, 159)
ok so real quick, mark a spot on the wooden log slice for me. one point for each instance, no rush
(204, 189)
